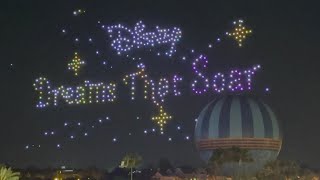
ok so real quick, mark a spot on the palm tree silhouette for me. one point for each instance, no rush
(8, 174)
(130, 161)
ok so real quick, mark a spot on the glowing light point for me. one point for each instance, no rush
(267, 90)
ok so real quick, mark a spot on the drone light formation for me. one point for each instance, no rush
(242, 80)
(219, 82)
(42, 86)
(176, 79)
(162, 118)
(87, 93)
(140, 73)
(240, 32)
(75, 64)
(202, 62)
(125, 39)
(235, 81)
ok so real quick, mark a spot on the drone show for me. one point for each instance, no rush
(159, 90)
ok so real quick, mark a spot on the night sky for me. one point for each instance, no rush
(285, 42)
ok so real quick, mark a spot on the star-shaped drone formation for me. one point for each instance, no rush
(162, 118)
(75, 64)
(240, 32)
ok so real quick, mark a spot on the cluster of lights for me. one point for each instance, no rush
(80, 129)
(85, 94)
(163, 89)
(176, 79)
(162, 118)
(140, 74)
(237, 80)
(106, 65)
(241, 80)
(100, 92)
(240, 32)
(42, 85)
(158, 89)
(78, 12)
(157, 95)
(46, 133)
(202, 62)
(125, 39)
(35, 147)
(77, 127)
(32, 146)
(75, 64)
(218, 82)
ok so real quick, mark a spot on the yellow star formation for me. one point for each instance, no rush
(162, 118)
(75, 64)
(239, 32)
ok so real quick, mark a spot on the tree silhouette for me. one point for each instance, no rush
(130, 161)
(222, 156)
(8, 174)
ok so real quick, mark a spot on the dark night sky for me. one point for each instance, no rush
(285, 42)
